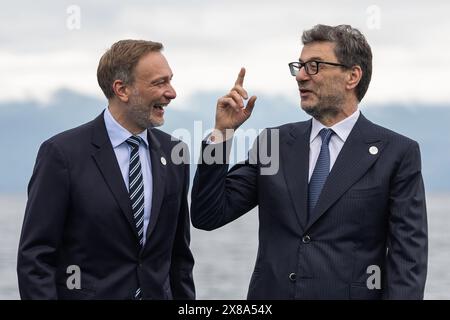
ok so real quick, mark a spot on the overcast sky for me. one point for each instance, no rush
(206, 42)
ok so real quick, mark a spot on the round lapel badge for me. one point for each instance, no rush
(373, 150)
(163, 161)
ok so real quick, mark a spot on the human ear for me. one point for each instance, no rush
(121, 90)
(353, 77)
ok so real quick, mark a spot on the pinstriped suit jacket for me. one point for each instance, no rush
(370, 217)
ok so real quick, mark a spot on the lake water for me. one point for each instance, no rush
(225, 257)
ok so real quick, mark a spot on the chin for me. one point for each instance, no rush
(308, 108)
(313, 111)
(154, 124)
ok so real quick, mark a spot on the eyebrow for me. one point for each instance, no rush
(312, 59)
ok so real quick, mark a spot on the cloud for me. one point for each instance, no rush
(208, 41)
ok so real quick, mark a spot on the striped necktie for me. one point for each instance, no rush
(321, 170)
(136, 192)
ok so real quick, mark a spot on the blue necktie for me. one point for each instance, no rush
(136, 192)
(321, 170)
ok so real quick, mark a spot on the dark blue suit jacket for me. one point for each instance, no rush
(371, 213)
(79, 213)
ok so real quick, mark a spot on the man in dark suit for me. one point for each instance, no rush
(107, 214)
(344, 215)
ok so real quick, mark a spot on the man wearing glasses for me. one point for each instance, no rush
(344, 217)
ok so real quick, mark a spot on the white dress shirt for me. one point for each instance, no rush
(118, 136)
(341, 130)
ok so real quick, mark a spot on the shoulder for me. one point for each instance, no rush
(66, 146)
(72, 138)
(373, 131)
(74, 134)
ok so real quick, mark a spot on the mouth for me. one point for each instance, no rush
(305, 92)
(160, 106)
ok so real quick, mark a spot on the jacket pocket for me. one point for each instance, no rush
(65, 293)
(364, 193)
(359, 291)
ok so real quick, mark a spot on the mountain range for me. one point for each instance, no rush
(25, 125)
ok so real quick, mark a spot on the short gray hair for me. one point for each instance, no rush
(351, 49)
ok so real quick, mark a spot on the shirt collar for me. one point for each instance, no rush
(118, 134)
(342, 129)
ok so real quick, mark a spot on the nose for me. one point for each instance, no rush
(170, 93)
(302, 75)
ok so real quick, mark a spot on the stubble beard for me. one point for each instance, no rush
(326, 107)
(141, 113)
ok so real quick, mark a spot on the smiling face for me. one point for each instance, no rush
(323, 94)
(150, 92)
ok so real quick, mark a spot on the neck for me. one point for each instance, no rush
(330, 119)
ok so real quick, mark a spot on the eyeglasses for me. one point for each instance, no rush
(311, 67)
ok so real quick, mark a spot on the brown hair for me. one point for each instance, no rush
(119, 61)
(351, 49)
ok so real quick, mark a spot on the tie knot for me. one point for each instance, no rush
(326, 134)
(134, 141)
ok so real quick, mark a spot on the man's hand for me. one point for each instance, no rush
(230, 110)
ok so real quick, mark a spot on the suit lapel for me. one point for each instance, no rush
(295, 164)
(351, 164)
(159, 163)
(106, 161)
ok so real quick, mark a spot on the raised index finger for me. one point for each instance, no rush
(240, 78)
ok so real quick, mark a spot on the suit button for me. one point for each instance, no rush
(306, 239)
(292, 277)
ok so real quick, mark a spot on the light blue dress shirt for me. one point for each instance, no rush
(118, 136)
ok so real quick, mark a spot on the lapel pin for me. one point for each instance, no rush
(373, 150)
(163, 161)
